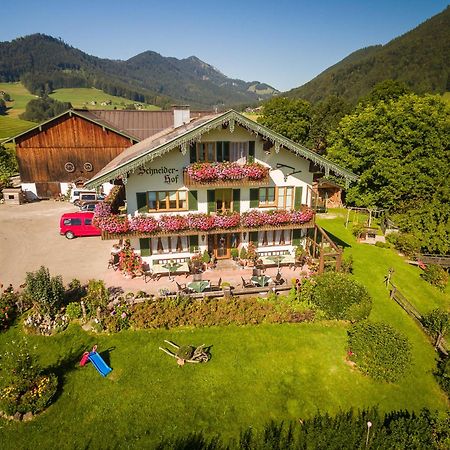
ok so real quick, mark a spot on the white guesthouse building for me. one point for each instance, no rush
(214, 167)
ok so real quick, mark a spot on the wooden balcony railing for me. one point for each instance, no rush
(189, 181)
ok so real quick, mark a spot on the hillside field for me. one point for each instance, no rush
(11, 125)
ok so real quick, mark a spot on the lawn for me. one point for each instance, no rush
(81, 98)
(257, 373)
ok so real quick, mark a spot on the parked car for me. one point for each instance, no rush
(78, 196)
(89, 205)
(78, 224)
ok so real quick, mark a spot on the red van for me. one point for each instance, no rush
(78, 224)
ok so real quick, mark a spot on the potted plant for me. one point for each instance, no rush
(234, 252)
(252, 254)
(243, 256)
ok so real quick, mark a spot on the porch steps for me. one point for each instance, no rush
(226, 264)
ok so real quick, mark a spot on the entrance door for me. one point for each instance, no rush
(222, 246)
(224, 199)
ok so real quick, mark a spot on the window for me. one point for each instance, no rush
(88, 221)
(285, 197)
(75, 222)
(267, 197)
(167, 200)
(274, 237)
(170, 244)
(238, 151)
(206, 151)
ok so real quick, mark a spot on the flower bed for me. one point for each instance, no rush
(200, 222)
(226, 171)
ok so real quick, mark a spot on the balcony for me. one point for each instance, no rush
(225, 175)
(120, 226)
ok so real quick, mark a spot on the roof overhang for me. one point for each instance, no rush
(70, 113)
(230, 119)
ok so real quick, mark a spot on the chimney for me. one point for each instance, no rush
(181, 115)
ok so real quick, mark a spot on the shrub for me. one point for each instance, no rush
(8, 308)
(73, 310)
(252, 254)
(341, 297)
(206, 258)
(118, 319)
(442, 374)
(45, 292)
(382, 244)
(171, 313)
(24, 387)
(406, 243)
(435, 275)
(379, 350)
(75, 290)
(234, 253)
(357, 229)
(243, 254)
(96, 297)
(437, 323)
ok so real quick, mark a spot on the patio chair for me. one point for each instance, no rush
(216, 287)
(113, 262)
(247, 283)
(182, 288)
(146, 272)
(279, 280)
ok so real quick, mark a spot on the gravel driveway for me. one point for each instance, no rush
(29, 238)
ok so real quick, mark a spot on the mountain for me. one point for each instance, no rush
(419, 58)
(44, 63)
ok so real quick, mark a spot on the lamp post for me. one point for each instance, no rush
(369, 424)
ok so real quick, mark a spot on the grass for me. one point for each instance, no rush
(81, 98)
(11, 125)
(257, 373)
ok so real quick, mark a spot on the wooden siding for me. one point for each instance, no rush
(42, 155)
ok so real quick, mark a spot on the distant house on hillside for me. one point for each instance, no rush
(71, 148)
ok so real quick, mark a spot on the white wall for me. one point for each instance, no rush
(30, 191)
(166, 172)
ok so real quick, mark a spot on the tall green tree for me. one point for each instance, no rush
(290, 117)
(385, 90)
(400, 150)
(8, 165)
(44, 108)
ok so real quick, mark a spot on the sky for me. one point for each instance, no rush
(284, 43)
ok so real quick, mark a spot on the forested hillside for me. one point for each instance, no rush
(419, 58)
(44, 63)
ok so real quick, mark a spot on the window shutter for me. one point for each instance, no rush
(251, 151)
(298, 198)
(253, 237)
(211, 198)
(296, 236)
(144, 244)
(193, 243)
(219, 153)
(226, 151)
(141, 199)
(193, 153)
(254, 198)
(192, 201)
(236, 200)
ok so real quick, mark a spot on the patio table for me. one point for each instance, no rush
(261, 280)
(172, 267)
(199, 286)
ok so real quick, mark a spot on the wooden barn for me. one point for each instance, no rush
(71, 148)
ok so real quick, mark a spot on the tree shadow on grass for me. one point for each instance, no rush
(105, 354)
(337, 240)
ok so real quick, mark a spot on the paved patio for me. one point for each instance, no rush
(229, 272)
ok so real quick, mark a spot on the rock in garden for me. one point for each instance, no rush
(27, 417)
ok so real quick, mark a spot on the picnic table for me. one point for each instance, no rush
(278, 260)
(199, 286)
(261, 280)
(168, 269)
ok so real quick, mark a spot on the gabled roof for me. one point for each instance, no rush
(85, 114)
(181, 137)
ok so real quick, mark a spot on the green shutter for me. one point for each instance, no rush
(192, 201)
(141, 199)
(226, 151)
(296, 236)
(253, 237)
(211, 198)
(144, 245)
(219, 151)
(298, 198)
(193, 153)
(236, 200)
(193, 243)
(254, 198)
(251, 151)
